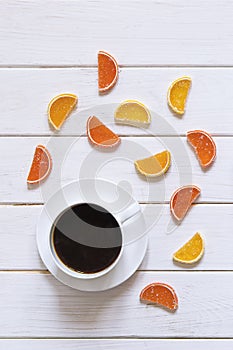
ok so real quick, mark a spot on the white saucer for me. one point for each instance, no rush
(113, 198)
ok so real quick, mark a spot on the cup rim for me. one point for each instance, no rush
(82, 275)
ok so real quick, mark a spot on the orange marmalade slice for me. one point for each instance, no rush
(203, 145)
(59, 108)
(177, 94)
(155, 165)
(41, 165)
(192, 251)
(160, 294)
(100, 135)
(182, 199)
(132, 112)
(107, 71)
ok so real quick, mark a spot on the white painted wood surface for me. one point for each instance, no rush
(75, 158)
(139, 344)
(18, 227)
(210, 102)
(37, 305)
(49, 47)
(164, 33)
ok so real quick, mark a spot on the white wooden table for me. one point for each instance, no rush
(49, 47)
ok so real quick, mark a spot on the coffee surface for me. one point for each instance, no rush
(86, 238)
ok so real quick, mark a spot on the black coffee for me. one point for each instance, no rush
(86, 238)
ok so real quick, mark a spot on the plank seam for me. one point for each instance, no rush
(122, 66)
(185, 270)
(19, 204)
(113, 338)
(46, 135)
(117, 338)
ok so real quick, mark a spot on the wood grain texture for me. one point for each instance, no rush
(43, 307)
(75, 158)
(115, 344)
(26, 93)
(164, 33)
(18, 250)
(54, 44)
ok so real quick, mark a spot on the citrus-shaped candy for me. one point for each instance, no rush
(59, 108)
(107, 71)
(41, 165)
(100, 135)
(160, 294)
(177, 94)
(182, 199)
(132, 112)
(192, 251)
(155, 165)
(203, 145)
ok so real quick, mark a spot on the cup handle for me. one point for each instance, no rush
(129, 212)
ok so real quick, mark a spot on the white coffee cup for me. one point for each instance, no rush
(98, 192)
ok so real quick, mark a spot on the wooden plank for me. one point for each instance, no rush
(52, 33)
(165, 239)
(26, 93)
(18, 249)
(37, 305)
(115, 344)
(75, 158)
